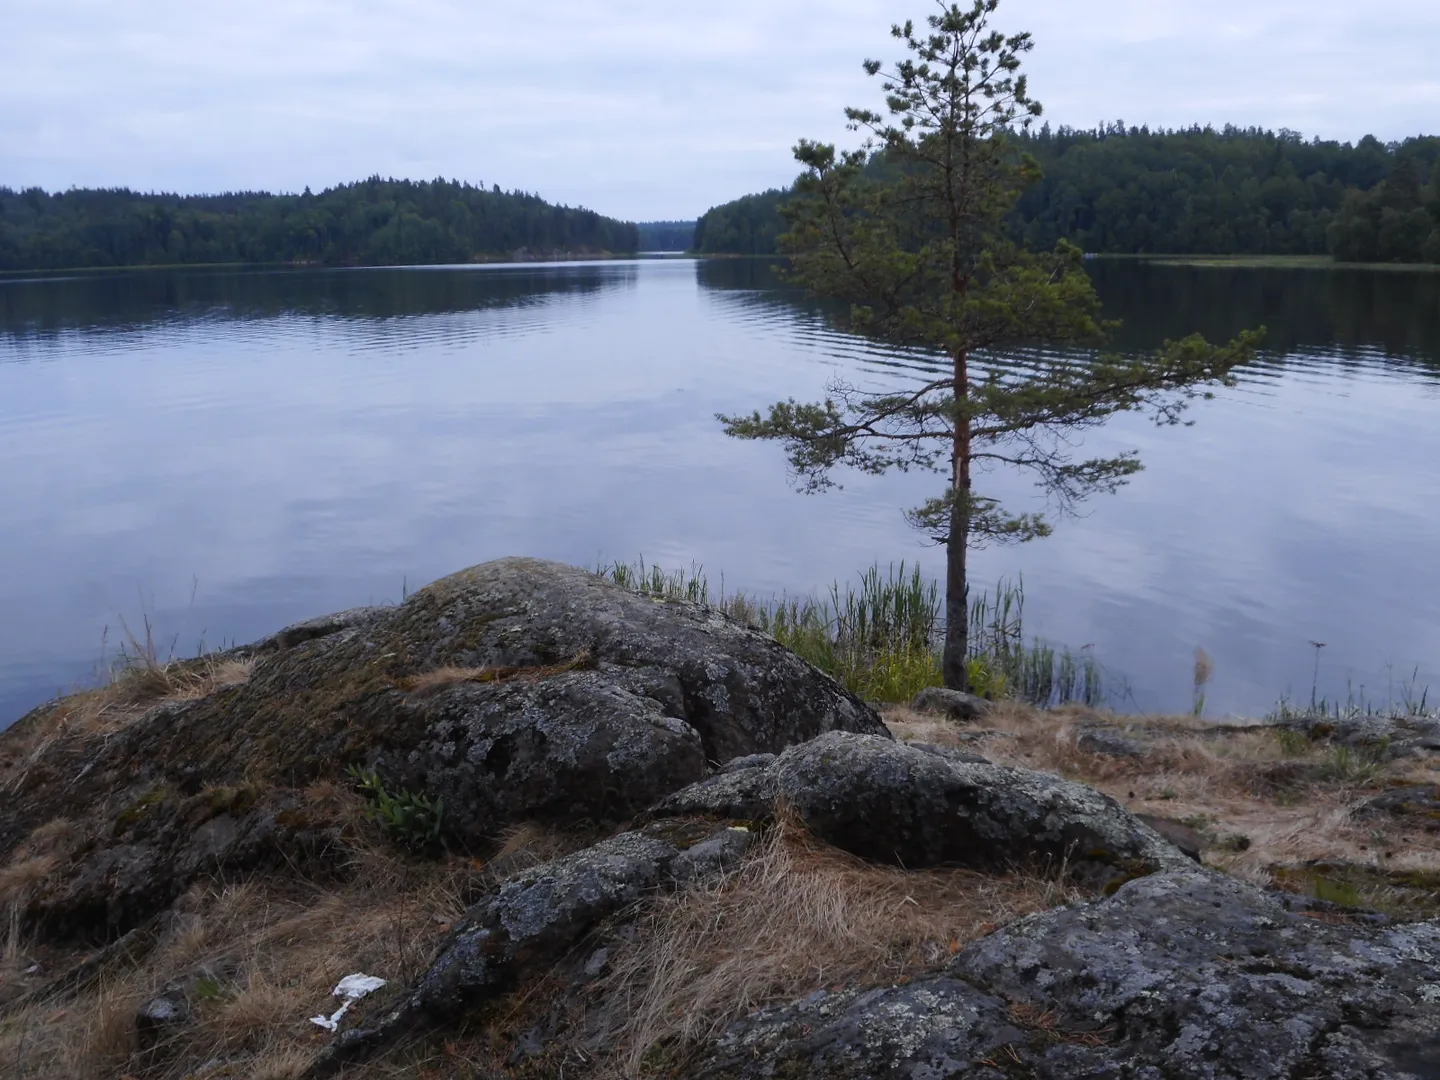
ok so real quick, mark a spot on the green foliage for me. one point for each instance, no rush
(1293, 742)
(911, 233)
(1190, 191)
(372, 222)
(1398, 220)
(1358, 765)
(1332, 891)
(747, 226)
(409, 819)
(1032, 671)
(208, 989)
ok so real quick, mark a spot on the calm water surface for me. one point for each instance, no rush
(226, 452)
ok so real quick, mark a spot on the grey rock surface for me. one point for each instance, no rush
(1184, 975)
(905, 805)
(161, 1016)
(934, 1030)
(1109, 743)
(1391, 736)
(955, 704)
(1187, 838)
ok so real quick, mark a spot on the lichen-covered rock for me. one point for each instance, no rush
(1185, 975)
(933, 1030)
(902, 804)
(579, 745)
(516, 690)
(1390, 736)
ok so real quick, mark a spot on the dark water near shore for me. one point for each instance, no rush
(228, 451)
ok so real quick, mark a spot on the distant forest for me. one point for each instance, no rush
(1200, 191)
(369, 223)
(666, 235)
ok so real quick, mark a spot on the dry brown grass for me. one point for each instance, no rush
(135, 686)
(442, 678)
(271, 951)
(797, 916)
(1215, 782)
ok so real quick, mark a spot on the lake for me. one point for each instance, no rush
(221, 452)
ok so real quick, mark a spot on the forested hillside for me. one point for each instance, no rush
(372, 222)
(1194, 191)
(666, 235)
(747, 226)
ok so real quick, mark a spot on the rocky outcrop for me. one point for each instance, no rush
(516, 690)
(1172, 970)
(868, 795)
(672, 738)
(1182, 974)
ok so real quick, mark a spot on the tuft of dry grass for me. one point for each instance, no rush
(795, 917)
(442, 678)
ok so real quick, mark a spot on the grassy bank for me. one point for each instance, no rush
(880, 636)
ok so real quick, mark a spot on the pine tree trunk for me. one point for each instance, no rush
(953, 662)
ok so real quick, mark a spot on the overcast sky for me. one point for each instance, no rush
(638, 108)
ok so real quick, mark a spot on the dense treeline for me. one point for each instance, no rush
(747, 226)
(372, 222)
(1194, 191)
(666, 235)
(1397, 220)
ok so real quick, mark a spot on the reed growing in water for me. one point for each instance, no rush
(881, 637)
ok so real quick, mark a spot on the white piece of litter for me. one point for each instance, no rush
(352, 988)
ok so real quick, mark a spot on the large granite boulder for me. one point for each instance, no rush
(516, 690)
(913, 807)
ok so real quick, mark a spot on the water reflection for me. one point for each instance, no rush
(302, 441)
(36, 309)
(1350, 318)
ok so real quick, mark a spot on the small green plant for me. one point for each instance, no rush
(1345, 765)
(1336, 892)
(1293, 742)
(208, 988)
(409, 819)
(987, 679)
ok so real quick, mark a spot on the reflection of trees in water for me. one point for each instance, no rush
(135, 300)
(1341, 312)
(1396, 312)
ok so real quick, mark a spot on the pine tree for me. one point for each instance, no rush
(909, 231)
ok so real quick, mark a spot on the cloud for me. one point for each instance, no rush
(639, 108)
